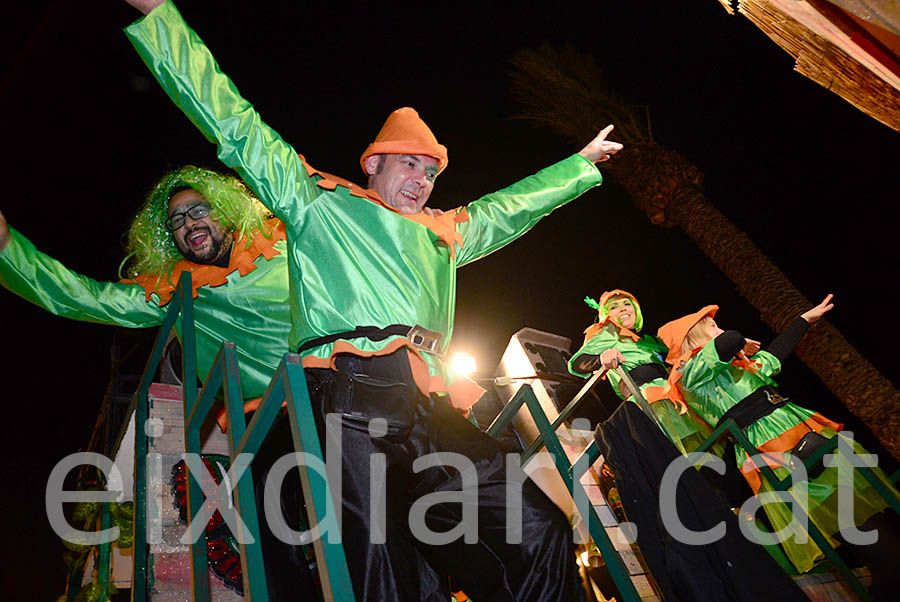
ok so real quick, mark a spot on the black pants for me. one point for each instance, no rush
(881, 557)
(541, 567)
(731, 569)
(288, 576)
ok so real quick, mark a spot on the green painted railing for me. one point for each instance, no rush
(288, 386)
(729, 427)
(547, 437)
(140, 575)
(572, 474)
(564, 415)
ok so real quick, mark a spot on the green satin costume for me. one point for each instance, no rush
(712, 386)
(252, 310)
(353, 262)
(683, 430)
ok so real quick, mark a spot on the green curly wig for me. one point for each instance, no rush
(150, 248)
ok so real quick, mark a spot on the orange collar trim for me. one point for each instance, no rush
(594, 328)
(442, 226)
(651, 394)
(654, 394)
(675, 373)
(243, 259)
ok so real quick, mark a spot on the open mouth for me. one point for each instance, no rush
(198, 238)
(412, 197)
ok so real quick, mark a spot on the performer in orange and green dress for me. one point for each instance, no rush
(723, 375)
(613, 341)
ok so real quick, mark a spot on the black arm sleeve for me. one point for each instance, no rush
(728, 344)
(784, 343)
(586, 363)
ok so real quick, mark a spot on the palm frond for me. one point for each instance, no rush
(563, 89)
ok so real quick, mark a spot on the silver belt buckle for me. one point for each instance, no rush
(426, 340)
(774, 397)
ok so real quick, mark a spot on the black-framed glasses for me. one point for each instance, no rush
(196, 211)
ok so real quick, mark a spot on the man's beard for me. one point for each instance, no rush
(209, 256)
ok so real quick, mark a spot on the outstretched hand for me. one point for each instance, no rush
(751, 347)
(600, 149)
(819, 310)
(4, 232)
(145, 6)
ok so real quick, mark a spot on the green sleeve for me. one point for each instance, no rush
(703, 367)
(770, 365)
(605, 339)
(47, 283)
(500, 217)
(189, 74)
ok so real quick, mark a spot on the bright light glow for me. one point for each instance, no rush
(585, 559)
(463, 363)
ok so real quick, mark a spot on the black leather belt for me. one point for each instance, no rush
(641, 375)
(644, 373)
(421, 338)
(758, 404)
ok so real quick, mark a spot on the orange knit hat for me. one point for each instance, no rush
(404, 133)
(673, 333)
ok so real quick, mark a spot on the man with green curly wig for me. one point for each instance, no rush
(209, 224)
(196, 220)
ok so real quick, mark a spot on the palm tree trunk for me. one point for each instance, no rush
(564, 89)
(669, 189)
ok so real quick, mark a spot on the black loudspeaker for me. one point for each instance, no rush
(534, 352)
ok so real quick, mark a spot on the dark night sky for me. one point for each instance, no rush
(85, 131)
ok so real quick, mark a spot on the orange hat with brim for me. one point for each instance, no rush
(404, 133)
(673, 333)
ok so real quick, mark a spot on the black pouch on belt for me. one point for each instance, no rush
(807, 446)
(359, 398)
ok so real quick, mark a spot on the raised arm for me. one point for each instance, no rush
(825, 306)
(499, 218)
(47, 283)
(191, 77)
(145, 6)
(785, 342)
(600, 149)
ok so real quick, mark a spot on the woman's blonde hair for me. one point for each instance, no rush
(697, 336)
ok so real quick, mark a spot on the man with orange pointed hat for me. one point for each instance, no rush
(373, 276)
